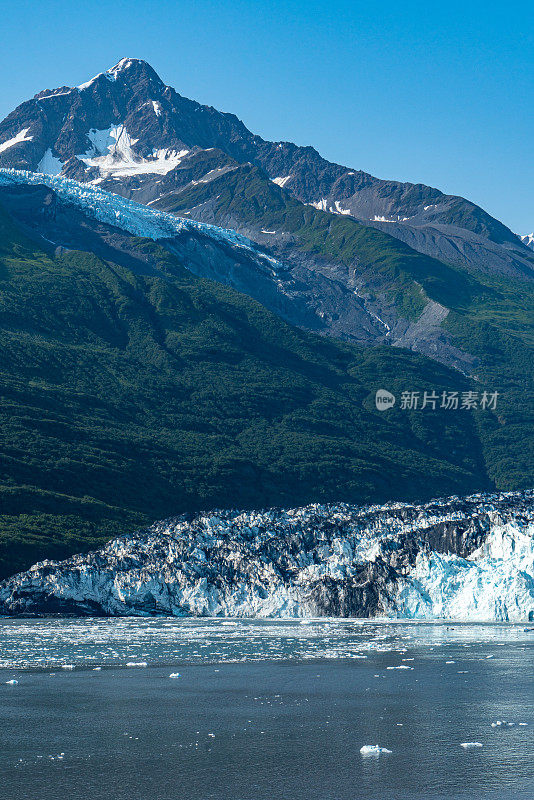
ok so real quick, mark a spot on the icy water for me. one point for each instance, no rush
(264, 710)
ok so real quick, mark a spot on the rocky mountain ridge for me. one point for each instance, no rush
(129, 132)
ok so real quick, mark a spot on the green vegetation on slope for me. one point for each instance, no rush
(492, 316)
(127, 398)
(247, 196)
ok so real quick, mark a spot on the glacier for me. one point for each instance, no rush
(495, 583)
(465, 559)
(127, 215)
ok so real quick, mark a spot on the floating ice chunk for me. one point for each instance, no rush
(373, 750)
(450, 662)
(67, 666)
(136, 664)
(468, 745)
(401, 666)
(12, 682)
(501, 723)
(174, 675)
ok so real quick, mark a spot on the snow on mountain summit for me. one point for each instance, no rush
(121, 69)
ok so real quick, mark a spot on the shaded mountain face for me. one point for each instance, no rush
(130, 133)
(468, 559)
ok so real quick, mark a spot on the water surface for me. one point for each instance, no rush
(263, 710)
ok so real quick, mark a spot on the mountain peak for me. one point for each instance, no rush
(126, 64)
(129, 70)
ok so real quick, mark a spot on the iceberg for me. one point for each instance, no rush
(373, 750)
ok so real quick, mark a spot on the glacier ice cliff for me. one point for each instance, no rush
(458, 558)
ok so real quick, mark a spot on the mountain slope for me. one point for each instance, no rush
(132, 389)
(482, 324)
(129, 133)
(132, 134)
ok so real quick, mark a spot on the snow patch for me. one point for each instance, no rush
(18, 139)
(377, 218)
(341, 210)
(49, 164)
(110, 74)
(282, 181)
(320, 205)
(112, 153)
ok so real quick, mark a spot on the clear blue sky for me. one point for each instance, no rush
(431, 92)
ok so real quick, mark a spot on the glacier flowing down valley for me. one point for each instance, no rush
(127, 215)
(467, 559)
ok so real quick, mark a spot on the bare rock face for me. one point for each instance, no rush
(470, 558)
